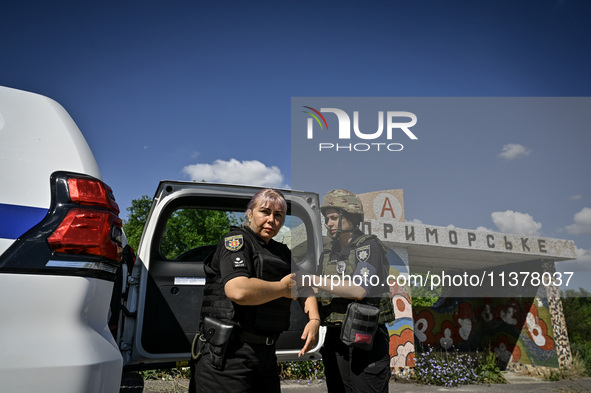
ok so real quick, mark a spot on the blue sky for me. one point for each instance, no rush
(502, 164)
(170, 90)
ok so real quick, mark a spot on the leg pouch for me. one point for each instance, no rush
(360, 325)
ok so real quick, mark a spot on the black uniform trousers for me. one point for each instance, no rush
(354, 370)
(249, 368)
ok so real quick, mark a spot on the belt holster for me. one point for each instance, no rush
(217, 334)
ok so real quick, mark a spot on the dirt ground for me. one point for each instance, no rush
(177, 385)
(133, 383)
(515, 383)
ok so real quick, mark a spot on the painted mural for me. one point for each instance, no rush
(518, 330)
(402, 342)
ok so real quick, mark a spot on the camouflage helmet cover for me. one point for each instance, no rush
(343, 200)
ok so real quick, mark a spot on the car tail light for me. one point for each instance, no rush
(91, 232)
(92, 226)
(92, 192)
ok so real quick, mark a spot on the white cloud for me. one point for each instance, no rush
(583, 255)
(575, 197)
(512, 151)
(484, 229)
(516, 222)
(582, 223)
(253, 173)
(582, 263)
(415, 221)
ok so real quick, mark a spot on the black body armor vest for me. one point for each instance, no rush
(265, 319)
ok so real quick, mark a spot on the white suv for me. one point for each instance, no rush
(61, 248)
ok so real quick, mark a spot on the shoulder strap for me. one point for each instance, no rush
(361, 239)
(252, 238)
(365, 237)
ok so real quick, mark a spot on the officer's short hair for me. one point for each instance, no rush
(271, 196)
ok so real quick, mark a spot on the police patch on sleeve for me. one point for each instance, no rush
(238, 261)
(365, 269)
(362, 253)
(233, 243)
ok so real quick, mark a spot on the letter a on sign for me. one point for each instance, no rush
(387, 207)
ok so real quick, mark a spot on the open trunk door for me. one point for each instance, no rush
(184, 225)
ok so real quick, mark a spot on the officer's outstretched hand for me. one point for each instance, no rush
(310, 335)
(290, 287)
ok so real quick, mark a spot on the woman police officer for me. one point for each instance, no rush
(362, 258)
(248, 291)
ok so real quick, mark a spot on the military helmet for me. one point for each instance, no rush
(343, 200)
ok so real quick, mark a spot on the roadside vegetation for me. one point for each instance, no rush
(166, 374)
(576, 305)
(433, 367)
(452, 368)
(304, 371)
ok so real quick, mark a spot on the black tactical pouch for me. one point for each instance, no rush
(217, 334)
(360, 325)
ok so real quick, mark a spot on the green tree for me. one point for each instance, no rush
(191, 228)
(576, 305)
(577, 313)
(185, 229)
(136, 219)
(421, 292)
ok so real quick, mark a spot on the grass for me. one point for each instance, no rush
(166, 374)
(582, 353)
(577, 370)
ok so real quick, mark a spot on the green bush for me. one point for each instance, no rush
(488, 368)
(302, 370)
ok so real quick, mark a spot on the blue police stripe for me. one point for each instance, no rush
(16, 220)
